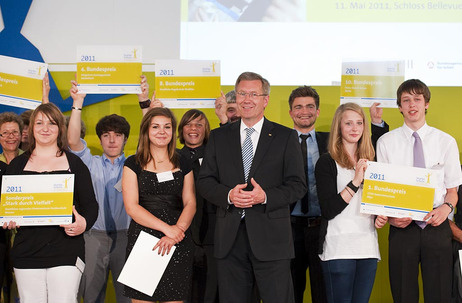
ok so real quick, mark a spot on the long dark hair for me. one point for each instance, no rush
(143, 152)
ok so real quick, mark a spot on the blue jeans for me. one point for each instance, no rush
(349, 280)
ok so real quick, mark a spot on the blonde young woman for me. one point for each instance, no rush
(158, 193)
(48, 260)
(349, 251)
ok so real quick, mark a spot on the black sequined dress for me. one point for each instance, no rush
(163, 200)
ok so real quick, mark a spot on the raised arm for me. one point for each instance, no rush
(73, 130)
(143, 98)
(378, 126)
(220, 108)
(145, 103)
(45, 89)
(376, 113)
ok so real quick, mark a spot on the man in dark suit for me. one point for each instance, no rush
(306, 213)
(253, 236)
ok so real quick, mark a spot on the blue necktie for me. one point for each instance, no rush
(419, 161)
(247, 157)
(247, 152)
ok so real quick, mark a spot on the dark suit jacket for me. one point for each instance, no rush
(322, 138)
(377, 132)
(203, 224)
(277, 167)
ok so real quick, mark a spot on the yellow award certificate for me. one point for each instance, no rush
(109, 69)
(21, 82)
(187, 83)
(398, 191)
(367, 82)
(37, 199)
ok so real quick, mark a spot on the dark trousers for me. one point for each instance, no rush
(205, 284)
(349, 280)
(457, 275)
(432, 248)
(3, 257)
(306, 241)
(238, 270)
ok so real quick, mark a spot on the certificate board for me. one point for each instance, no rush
(187, 83)
(144, 267)
(21, 82)
(109, 69)
(398, 191)
(37, 199)
(365, 83)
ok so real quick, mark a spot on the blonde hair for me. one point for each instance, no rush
(365, 149)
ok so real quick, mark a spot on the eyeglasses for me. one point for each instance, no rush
(7, 134)
(251, 95)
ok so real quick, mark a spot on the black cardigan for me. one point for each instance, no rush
(49, 246)
(330, 201)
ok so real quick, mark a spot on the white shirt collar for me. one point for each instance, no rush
(257, 127)
(421, 131)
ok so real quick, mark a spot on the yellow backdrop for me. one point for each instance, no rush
(444, 113)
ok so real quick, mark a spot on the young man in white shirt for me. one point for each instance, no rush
(411, 242)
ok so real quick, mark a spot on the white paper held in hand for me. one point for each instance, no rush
(144, 267)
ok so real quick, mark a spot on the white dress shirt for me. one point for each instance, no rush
(440, 153)
(254, 136)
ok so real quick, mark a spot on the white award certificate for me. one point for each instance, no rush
(365, 83)
(144, 267)
(37, 199)
(21, 82)
(398, 191)
(109, 69)
(187, 83)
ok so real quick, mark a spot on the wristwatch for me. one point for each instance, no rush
(145, 104)
(450, 205)
(352, 186)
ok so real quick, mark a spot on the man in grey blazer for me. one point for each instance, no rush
(253, 238)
